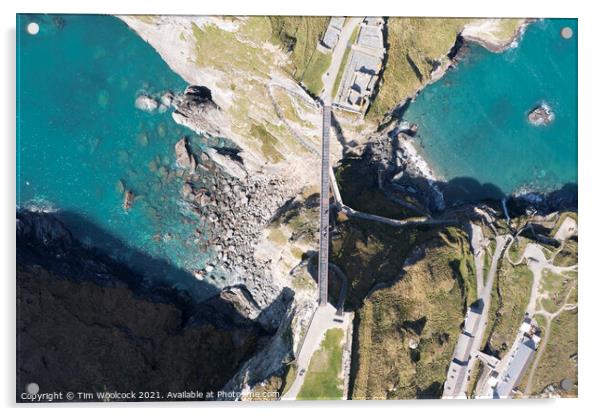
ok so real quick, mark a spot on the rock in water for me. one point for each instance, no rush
(146, 103)
(128, 200)
(196, 110)
(541, 115)
(184, 158)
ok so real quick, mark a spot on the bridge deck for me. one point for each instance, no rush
(324, 208)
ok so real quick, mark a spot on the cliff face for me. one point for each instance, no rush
(86, 323)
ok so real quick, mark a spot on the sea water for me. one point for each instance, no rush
(81, 142)
(473, 122)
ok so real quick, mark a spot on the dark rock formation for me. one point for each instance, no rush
(196, 110)
(87, 323)
(184, 158)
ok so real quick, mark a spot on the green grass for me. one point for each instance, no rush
(299, 35)
(560, 220)
(427, 304)
(323, 381)
(277, 236)
(514, 286)
(556, 287)
(290, 112)
(508, 28)
(227, 51)
(268, 143)
(557, 361)
(569, 254)
(517, 248)
(290, 373)
(414, 43)
(312, 76)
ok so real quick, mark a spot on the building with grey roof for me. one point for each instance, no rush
(459, 364)
(333, 32)
(509, 379)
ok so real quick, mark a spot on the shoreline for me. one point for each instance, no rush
(416, 159)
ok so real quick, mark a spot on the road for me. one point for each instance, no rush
(478, 244)
(330, 75)
(324, 319)
(486, 296)
(459, 384)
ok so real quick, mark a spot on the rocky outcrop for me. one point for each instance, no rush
(184, 159)
(196, 110)
(234, 212)
(146, 103)
(541, 115)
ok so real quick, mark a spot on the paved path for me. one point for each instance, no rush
(478, 244)
(330, 75)
(324, 319)
(459, 385)
(486, 296)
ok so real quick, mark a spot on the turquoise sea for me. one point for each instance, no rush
(80, 138)
(473, 122)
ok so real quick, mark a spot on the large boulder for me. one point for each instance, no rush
(184, 158)
(146, 103)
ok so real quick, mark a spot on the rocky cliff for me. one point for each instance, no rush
(87, 323)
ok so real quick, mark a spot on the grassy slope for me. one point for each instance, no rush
(556, 362)
(248, 63)
(514, 286)
(312, 76)
(432, 292)
(413, 45)
(300, 35)
(322, 381)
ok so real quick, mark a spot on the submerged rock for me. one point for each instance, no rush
(146, 103)
(128, 200)
(541, 115)
(184, 158)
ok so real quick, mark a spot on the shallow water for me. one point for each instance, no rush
(81, 141)
(473, 122)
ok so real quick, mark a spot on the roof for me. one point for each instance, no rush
(337, 22)
(371, 37)
(518, 365)
(362, 80)
(331, 37)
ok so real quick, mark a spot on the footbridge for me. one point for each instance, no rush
(324, 207)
